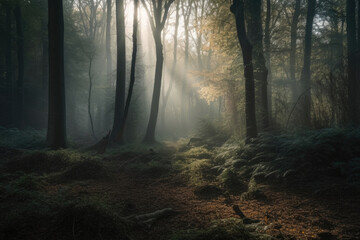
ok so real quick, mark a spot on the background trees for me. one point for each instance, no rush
(304, 48)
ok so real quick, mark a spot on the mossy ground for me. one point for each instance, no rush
(76, 193)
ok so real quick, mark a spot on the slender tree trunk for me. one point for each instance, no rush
(267, 42)
(56, 134)
(293, 38)
(132, 71)
(173, 67)
(237, 8)
(150, 131)
(8, 62)
(306, 73)
(184, 91)
(89, 97)
(20, 55)
(108, 41)
(45, 68)
(255, 35)
(121, 70)
(157, 23)
(351, 46)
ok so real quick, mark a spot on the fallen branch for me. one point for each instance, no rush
(148, 218)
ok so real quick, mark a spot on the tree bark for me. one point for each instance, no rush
(255, 35)
(45, 64)
(351, 54)
(293, 38)
(306, 73)
(20, 56)
(132, 71)
(157, 23)
(173, 67)
(184, 91)
(121, 70)
(8, 63)
(108, 41)
(267, 42)
(237, 8)
(56, 134)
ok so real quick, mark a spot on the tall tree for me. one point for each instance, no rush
(157, 21)
(293, 38)
(351, 55)
(237, 8)
(20, 56)
(108, 40)
(173, 67)
(56, 133)
(255, 35)
(186, 11)
(121, 70)
(267, 42)
(8, 60)
(45, 60)
(306, 73)
(132, 71)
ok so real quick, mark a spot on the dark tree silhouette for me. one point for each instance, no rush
(8, 63)
(237, 8)
(351, 54)
(56, 134)
(20, 56)
(293, 38)
(267, 42)
(132, 71)
(306, 73)
(121, 70)
(157, 21)
(255, 35)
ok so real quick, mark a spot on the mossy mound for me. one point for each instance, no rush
(39, 162)
(27, 212)
(83, 170)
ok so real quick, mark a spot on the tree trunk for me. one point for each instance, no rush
(351, 46)
(267, 42)
(121, 70)
(173, 67)
(8, 62)
(132, 71)
(45, 68)
(293, 38)
(306, 73)
(56, 134)
(255, 35)
(20, 55)
(108, 41)
(237, 8)
(150, 131)
(89, 97)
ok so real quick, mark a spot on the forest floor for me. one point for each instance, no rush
(74, 194)
(288, 213)
(291, 213)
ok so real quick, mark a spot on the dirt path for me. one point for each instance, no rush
(298, 215)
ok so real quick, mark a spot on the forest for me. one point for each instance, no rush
(179, 119)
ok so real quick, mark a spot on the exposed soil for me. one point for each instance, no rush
(294, 213)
